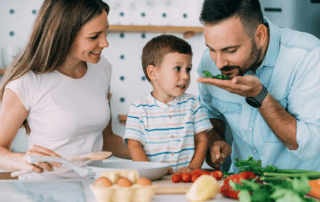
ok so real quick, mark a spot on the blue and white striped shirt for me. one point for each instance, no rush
(167, 131)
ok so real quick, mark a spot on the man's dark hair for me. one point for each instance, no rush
(155, 50)
(249, 12)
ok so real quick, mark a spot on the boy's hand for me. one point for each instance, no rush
(170, 171)
(185, 170)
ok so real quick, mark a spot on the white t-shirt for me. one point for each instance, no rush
(66, 115)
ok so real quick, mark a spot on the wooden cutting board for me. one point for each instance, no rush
(166, 186)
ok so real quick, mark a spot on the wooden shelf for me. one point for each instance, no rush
(2, 71)
(187, 31)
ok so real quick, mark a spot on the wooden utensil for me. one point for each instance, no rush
(96, 156)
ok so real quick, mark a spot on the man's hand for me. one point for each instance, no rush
(217, 153)
(245, 86)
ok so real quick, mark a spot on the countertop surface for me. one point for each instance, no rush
(69, 190)
(65, 190)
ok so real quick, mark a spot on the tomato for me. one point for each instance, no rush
(196, 171)
(215, 175)
(247, 175)
(186, 177)
(195, 176)
(219, 173)
(176, 178)
(236, 178)
(227, 191)
(205, 173)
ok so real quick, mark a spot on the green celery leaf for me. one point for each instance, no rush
(244, 196)
(290, 196)
(279, 193)
(260, 195)
(301, 186)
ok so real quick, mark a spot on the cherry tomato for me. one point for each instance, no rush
(196, 171)
(186, 177)
(247, 175)
(215, 175)
(205, 173)
(195, 176)
(219, 173)
(176, 178)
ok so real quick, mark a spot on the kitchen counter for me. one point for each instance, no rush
(69, 190)
(77, 190)
(65, 190)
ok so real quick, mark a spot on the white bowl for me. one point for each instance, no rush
(150, 170)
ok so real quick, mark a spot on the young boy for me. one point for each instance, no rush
(168, 125)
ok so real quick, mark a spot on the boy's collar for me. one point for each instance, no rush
(160, 104)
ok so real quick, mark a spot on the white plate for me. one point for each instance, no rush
(150, 170)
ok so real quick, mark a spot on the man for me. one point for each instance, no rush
(271, 101)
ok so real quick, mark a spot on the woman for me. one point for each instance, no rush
(57, 89)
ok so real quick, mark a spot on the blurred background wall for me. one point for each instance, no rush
(128, 81)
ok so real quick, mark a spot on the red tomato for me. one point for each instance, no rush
(236, 178)
(176, 178)
(215, 175)
(186, 177)
(205, 173)
(196, 171)
(195, 176)
(227, 191)
(219, 173)
(247, 175)
(226, 181)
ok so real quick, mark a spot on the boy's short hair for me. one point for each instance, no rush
(155, 50)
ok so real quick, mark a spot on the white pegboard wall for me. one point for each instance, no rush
(124, 52)
(155, 12)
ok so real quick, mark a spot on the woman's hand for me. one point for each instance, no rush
(38, 167)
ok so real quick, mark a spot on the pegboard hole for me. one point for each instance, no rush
(143, 35)
(34, 12)
(143, 15)
(122, 99)
(122, 57)
(11, 33)
(121, 14)
(185, 15)
(122, 78)
(164, 15)
(121, 35)
(143, 78)
(12, 11)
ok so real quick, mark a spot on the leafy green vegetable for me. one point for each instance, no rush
(272, 172)
(207, 74)
(290, 191)
(253, 166)
(219, 76)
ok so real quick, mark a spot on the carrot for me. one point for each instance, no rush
(315, 188)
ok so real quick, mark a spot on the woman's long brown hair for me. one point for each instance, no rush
(54, 30)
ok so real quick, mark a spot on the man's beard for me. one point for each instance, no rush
(255, 55)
